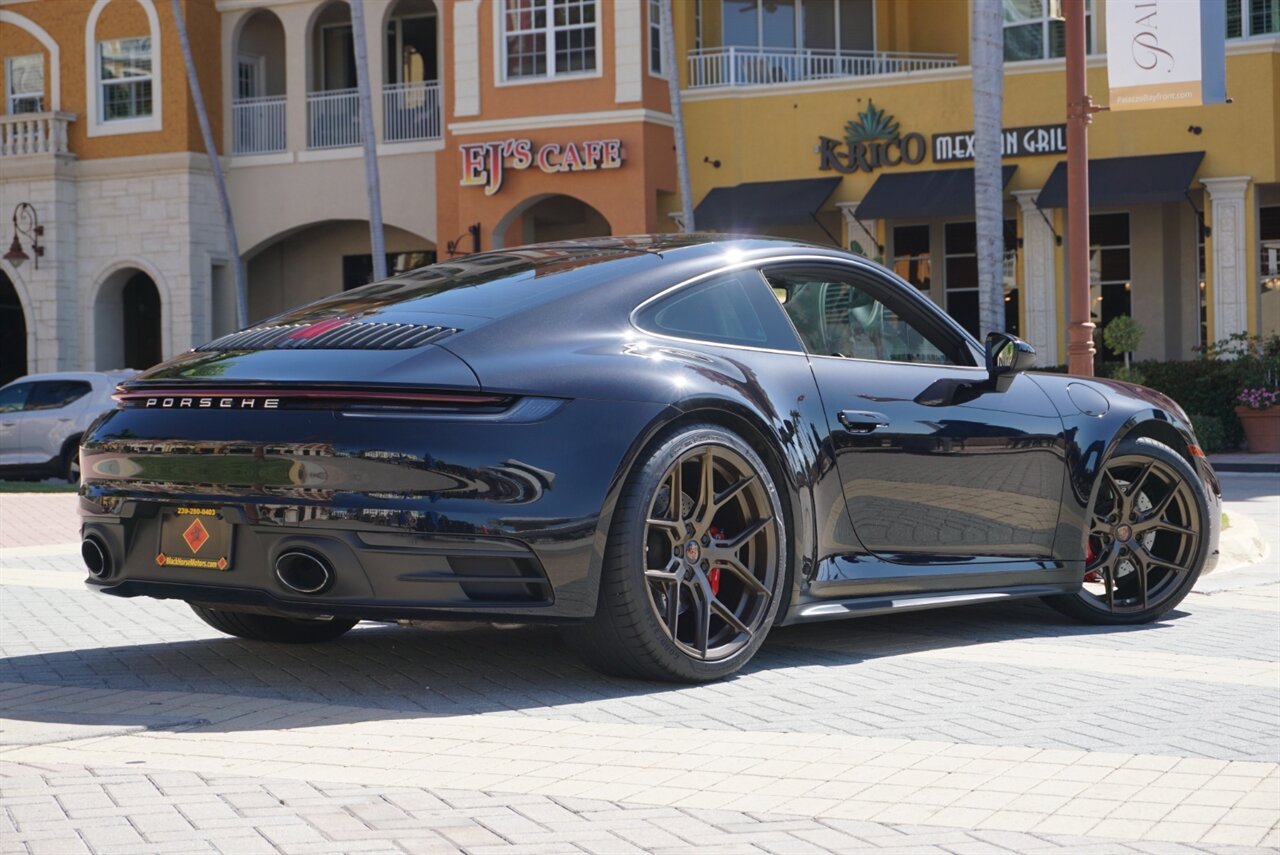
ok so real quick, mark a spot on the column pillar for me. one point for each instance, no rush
(1228, 261)
(297, 54)
(1039, 295)
(865, 232)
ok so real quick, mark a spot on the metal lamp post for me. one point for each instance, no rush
(1080, 108)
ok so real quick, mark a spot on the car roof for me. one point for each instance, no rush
(114, 375)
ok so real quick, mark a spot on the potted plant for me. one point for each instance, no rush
(1259, 411)
(1124, 335)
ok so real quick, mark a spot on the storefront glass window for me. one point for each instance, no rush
(1109, 276)
(546, 38)
(911, 255)
(960, 275)
(1269, 271)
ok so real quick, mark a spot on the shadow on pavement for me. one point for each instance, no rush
(378, 672)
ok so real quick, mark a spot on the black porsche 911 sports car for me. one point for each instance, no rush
(666, 444)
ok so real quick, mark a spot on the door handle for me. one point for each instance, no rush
(862, 421)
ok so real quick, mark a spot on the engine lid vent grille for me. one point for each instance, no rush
(332, 334)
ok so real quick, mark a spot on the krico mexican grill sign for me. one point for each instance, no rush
(485, 164)
(870, 141)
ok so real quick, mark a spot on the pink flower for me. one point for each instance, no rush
(1259, 398)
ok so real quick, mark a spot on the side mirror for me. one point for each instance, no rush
(1007, 355)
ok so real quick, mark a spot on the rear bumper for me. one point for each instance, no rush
(418, 518)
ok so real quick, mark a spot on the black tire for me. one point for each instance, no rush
(1182, 555)
(627, 637)
(70, 468)
(278, 630)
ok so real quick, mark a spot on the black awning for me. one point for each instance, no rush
(1146, 180)
(908, 195)
(763, 203)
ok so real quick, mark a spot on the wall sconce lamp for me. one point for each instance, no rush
(25, 222)
(474, 230)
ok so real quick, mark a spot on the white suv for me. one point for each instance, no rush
(42, 417)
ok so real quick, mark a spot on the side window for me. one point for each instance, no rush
(837, 314)
(13, 397)
(735, 308)
(55, 394)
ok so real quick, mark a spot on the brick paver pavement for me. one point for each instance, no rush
(129, 726)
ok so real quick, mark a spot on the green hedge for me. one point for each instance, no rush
(1207, 387)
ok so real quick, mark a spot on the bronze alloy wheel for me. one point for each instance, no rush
(710, 555)
(1144, 536)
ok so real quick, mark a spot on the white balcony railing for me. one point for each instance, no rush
(34, 133)
(333, 119)
(257, 125)
(747, 66)
(411, 111)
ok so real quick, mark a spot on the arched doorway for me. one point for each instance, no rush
(126, 316)
(553, 217)
(258, 102)
(322, 259)
(13, 332)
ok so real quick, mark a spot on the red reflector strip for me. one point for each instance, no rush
(319, 328)
(1195, 451)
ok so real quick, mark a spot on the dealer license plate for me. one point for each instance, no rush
(194, 537)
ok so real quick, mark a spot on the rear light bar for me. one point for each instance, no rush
(256, 398)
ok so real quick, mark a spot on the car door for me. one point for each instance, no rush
(937, 466)
(12, 400)
(53, 415)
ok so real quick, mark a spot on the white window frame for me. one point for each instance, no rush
(1091, 22)
(500, 53)
(654, 28)
(1246, 19)
(11, 97)
(103, 84)
(324, 54)
(95, 126)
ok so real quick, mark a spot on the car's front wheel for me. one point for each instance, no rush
(280, 630)
(694, 566)
(1148, 537)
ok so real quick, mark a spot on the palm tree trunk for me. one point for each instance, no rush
(206, 132)
(987, 57)
(671, 70)
(374, 186)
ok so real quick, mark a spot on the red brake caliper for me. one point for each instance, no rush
(713, 575)
(1092, 575)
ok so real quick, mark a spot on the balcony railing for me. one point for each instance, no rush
(333, 119)
(747, 66)
(411, 111)
(34, 133)
(258, 125)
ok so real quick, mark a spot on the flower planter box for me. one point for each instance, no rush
(1261, 429)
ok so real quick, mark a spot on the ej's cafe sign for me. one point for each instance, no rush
(485, 164)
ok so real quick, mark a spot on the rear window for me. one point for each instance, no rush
(492, 285)
(734, 308)
(54, 394)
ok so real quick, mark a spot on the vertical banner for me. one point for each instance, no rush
(1166, 53)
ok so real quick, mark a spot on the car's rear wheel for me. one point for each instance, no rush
(694, 565)
(1147, 537)
(71, 462)
(280, 630)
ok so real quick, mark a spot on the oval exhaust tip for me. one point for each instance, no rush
(96, 558)
(304, 572)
